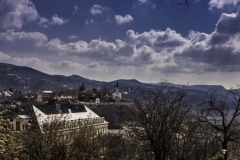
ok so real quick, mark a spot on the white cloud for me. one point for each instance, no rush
(55, 20)
(154, 51)
(4, 57)
(15, 13)
(221, 3)
(233, 43)
(10, 35)
(199, 40)
(43, 21)
(72, 37)
(138, 49)
(98, 9)
(143, 1)
(32, 62)
(218, 51)
(26, 61)
(123, 19)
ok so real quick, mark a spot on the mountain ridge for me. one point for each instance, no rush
(29, 79)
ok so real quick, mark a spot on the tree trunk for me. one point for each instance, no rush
(224, 145)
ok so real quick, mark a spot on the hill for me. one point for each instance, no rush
(28, 79)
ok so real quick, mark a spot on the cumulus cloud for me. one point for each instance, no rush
(55, 20)
(136, 50)
(219, 50)
(229, 23)
(26, 61)
(98, 9)
(221, 3)
(10, 35)
(4, 57)
(15, 13)
(123, 19)
(164, 51)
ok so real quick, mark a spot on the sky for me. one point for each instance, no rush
(147, 40)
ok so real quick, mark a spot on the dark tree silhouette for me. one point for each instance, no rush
(223, 117)
(162, 115)
(187, 3)
(82, 87)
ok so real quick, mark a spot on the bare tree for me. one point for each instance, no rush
(223, 116)
(162, 115)
(47, 145)
(86, 144)
(187, 3)
(55, 142)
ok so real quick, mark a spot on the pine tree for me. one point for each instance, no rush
(82, 87)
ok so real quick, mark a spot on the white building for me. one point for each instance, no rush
(72, 118)
(117, 95)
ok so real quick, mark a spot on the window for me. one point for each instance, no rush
(17, 125)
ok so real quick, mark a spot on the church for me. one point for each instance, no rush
(117, 95)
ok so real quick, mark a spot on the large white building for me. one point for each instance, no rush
(71, 117)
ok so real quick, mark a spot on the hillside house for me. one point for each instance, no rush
(69, 95)
(45, 96)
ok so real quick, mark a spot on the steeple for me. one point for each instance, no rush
(117, 87)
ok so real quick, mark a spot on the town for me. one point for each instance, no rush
(91, 124)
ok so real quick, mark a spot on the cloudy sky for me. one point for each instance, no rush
(148, 40)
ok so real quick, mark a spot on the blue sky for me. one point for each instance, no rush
(149, 40)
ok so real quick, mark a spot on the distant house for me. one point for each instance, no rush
(45, 96)
(21, 123)
(117, 95)
(69, 95)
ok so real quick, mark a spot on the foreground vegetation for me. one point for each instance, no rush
(162, 124)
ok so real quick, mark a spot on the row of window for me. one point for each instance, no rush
(73, 124)
(70, 136)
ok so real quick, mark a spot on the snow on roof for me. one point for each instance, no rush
(7, 93)
(47, 92)
(24, 116)
(48, 118)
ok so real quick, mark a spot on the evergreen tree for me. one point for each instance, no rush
(82, 87)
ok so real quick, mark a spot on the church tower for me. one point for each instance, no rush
(117, 88)
(117, 95)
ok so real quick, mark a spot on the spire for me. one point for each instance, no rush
(117, 89)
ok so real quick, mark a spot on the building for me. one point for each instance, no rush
(69, 95)
(97, 100)
(71, 117)
(45, 96)
(117, 95)
(21, 123)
